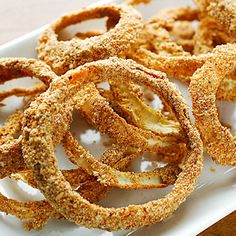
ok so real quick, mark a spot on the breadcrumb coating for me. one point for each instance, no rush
(38, 151)
(65, 55)
(218, 141)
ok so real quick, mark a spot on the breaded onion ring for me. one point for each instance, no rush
(210, 34)
(98, 107)
(181, 66)
(218, 141)
(138, 113)
(98, 113)
(20, 92)
(157, 31)
(11, 68)
(36, 214)
(108, 176)
(10, 150)
(223, 11)
(65, 55)
(56, 104)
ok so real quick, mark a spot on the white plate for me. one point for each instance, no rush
(213, 198)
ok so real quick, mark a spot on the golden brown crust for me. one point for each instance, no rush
(39, 156)
(218, 141)
(97, 112)
(108, 176)
(11, 68)
(20, 92)
(65, 55)
(123, 132)
(167, 43)
(10, 148)
(172, 59)
(223, 11)
(36, 214)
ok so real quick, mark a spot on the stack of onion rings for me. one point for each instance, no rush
(168, 43)
(49, 178)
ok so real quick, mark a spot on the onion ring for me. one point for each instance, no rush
(36, 219)
(65, 55)
(136, 2)
(37, 213)
(99, 114)
(19, 92)
(210, 34)
(75, 177)
(223, 11)
(38, 148)
(147, 139)
(179, 67)
(108, 176)
(11, 156)
(10, 68)
(183, 67)
(156, 34)
(219, 142)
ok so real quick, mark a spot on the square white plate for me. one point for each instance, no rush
(213, 199)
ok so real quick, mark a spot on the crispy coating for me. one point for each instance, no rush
(223, 11)
(98, 113)
(108, 176)
(11, 156)
(219, 142)
(36, 214)
(136, 2)
(210, 34)
(65, 55)
(173, 63)
(11, 68)
(156, 30)
(156, 35)
(99, 106)
(11, 127)
(117, 157)
(20, 92)
(183, 67)
(91, 108)
(39, 152)
(166, 43)
(76, 177)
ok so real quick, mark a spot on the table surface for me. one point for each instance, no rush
(18, 17)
